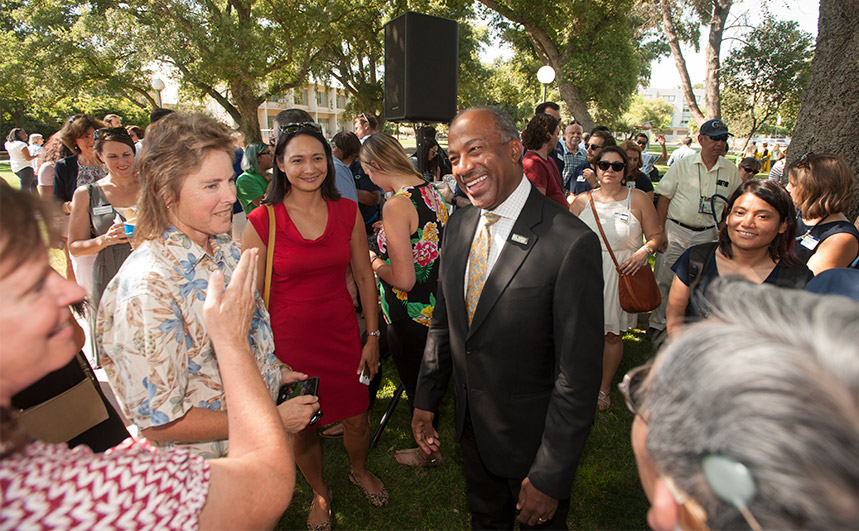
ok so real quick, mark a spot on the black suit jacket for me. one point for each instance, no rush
(528, 368)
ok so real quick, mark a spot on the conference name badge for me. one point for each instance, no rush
(518, 238)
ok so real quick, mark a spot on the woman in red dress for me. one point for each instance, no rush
(317, 236)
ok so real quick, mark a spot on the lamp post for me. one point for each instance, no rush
(545, 75)
(158, 86)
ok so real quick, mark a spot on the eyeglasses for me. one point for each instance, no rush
(719, 138)
(74, 117)
(105, 132)
(292, 128)
(605, 165)
(641, 142)
(631, 386)
(593, 147)
(804, 159)
(749, 170)
(268, 153)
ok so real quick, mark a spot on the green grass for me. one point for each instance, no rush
(606, 493)
(7, 175)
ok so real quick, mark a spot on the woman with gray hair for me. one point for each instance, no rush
(751, 418)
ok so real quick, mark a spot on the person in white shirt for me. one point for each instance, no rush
(685, 150)
(20, 158)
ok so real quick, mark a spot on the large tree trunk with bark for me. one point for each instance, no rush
(826, 122)
(712, 99)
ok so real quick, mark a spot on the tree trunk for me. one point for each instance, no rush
(247, 104)
(830, 102)
(680, 62)
(575, 105)
(712, 99)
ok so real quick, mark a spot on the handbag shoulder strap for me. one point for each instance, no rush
(599, 226)
(269, 255)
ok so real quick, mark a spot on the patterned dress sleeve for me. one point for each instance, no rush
(129, 487)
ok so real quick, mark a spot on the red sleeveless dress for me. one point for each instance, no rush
(314, 322)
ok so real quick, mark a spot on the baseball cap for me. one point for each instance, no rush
(714, 128)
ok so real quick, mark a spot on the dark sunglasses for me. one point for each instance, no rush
(641, 142)
(631, 386)
(105, 132)
(616, 166)
(750, 170)
(719, 138)
(593, 147)
(290, 129)
(803, 160)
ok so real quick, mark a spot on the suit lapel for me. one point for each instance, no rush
(512, 255)
(455, 258)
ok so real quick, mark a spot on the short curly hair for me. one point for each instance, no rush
(538, 131)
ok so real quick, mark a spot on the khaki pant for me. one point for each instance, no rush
(679, 239)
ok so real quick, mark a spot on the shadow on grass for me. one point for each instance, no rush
(606, 493)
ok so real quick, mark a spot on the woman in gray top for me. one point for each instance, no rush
(100, 209)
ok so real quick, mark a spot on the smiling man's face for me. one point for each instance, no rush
(486, 168)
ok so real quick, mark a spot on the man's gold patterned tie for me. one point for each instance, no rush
(478, 262)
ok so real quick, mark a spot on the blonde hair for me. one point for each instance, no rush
(385, 151)
(175, 147)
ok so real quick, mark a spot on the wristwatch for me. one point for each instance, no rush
(376, 333)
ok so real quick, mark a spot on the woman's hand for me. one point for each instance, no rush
(114, 235)
(634, 262)
(227, 313)
(370, 356)
(288, 376)
(297, 412)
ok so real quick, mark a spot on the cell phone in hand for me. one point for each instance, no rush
(364, 377)
(289, 391)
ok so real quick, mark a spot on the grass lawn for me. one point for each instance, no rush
(606, 493)
(7, 175)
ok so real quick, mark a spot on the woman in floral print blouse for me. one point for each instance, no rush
(407, 264)
(158, 354)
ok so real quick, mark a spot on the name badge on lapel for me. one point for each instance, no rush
(518, 238)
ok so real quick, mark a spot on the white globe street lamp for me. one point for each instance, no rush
(158, 86)
(545, 75)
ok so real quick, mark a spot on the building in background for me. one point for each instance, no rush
(326, 104)
(682, 116)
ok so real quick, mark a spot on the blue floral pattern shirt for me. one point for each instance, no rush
(157, 354)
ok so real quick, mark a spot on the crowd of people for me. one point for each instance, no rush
(496, 263)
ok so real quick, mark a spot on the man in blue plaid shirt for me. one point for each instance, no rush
(574, 154)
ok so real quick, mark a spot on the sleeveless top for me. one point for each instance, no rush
(818, 232)
(108, 260)
(418, 303)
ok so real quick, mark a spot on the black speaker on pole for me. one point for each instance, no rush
(421, 62)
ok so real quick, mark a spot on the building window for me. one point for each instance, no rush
(326, 126)
(298, 96)
(341, 101)
(321, 98)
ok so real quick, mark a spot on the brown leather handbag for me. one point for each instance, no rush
(637, 292)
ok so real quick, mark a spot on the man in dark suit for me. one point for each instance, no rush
(526, 356)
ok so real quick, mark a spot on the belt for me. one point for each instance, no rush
(690, 227)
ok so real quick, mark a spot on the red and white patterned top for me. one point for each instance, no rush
(132, 486)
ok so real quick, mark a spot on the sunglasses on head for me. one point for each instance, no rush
(104, 132)
(616, 166)
(292, 128)
(593, 147)
(631, 385)
(719, 138)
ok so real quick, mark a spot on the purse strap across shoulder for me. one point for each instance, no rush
(269, 255)
(599, 226)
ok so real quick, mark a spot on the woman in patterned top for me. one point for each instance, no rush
(157, 350)
(131, 486)
(407, 264)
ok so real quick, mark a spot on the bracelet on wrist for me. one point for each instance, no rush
(376, 333)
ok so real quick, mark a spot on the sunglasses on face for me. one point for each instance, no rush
(593, 147)
(631, 385)
(749, 170)
(719, 138)
(605, 165)
(641, 142)
(104, 132)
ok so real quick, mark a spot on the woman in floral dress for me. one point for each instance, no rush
(407, 264)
